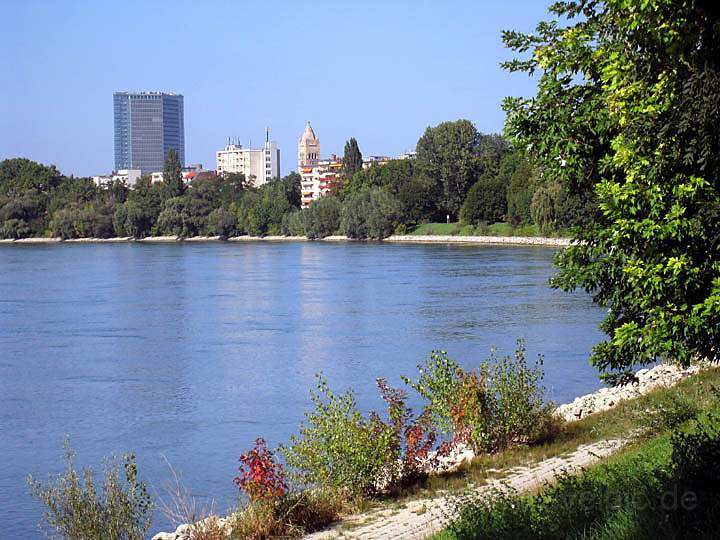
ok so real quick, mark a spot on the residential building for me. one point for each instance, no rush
(147, 126)
(195, 172)
(410, 154)
(375, 160)
(157, 176)
(257, 164)
(129, 176)
(188, 174)
(317, 176)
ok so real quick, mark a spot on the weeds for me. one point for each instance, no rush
(77, 509)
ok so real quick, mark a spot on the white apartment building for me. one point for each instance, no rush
(317, 176)
(410, 154)
(257, 164)
(129, 176)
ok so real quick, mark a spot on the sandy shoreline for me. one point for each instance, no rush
(395, 239)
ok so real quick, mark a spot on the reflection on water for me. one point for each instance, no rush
(192, 351)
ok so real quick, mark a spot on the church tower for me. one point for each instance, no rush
(308, 149)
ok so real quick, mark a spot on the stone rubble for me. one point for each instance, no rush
(185, 531)
(662, 375)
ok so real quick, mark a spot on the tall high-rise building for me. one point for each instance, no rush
(147, 126)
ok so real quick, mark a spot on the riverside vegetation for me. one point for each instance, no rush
(622, 129)
(480, 181)
(340, 457)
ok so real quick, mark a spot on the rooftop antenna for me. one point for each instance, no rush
(267, 134)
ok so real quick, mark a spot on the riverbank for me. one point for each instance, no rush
(404, 239)
(598, 424)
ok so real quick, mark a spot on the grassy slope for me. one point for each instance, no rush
(458, 229)
(565, 511)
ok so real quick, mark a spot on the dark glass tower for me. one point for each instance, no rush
(147, 126)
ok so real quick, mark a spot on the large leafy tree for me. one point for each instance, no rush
(402, 179)
(291, 184)
(352, 158)
(628, 103)
(172, 175)
(447, 154)
(486, 201)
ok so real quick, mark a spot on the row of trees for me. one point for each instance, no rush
(36, 200)
(458, 173)
(462, 174)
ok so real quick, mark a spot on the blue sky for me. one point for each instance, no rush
(379, 71)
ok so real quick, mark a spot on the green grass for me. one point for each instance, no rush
(459, 229)
(625, 496)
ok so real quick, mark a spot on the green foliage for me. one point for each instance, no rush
(341, 449)
(520, 189)
(414, 191)
(173, 220)
(20, 175)
(77, 509)
(628, 103)
(438, 383)
(486, 202)
(221, 222)
(291, 184)
(501, 405)
(447, 155)
(138, 214)
(266, 214)
(490, 153)
(352, 158)
(370, 213)
(338, 447)
(667, 488)
(82, 221)
(172, 175)
(14, 228)
(543, 207)
(519, 412)
(322, 217)
(293, 224)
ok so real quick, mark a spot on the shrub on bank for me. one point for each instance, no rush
(291, 516)
(501, 404)
(77, 509)
(340, 448)
(272, 510)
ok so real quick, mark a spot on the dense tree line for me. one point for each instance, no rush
(462, 174)
(459, 173)
(36, 201)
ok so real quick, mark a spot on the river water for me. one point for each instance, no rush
(189, 352)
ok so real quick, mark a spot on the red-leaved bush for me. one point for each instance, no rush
(261, 477)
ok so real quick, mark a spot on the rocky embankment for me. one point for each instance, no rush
(606, 398)
(508, 240)
(662, 375)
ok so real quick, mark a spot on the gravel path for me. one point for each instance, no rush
(423, 517)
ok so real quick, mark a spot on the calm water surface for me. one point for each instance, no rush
(192, 351)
